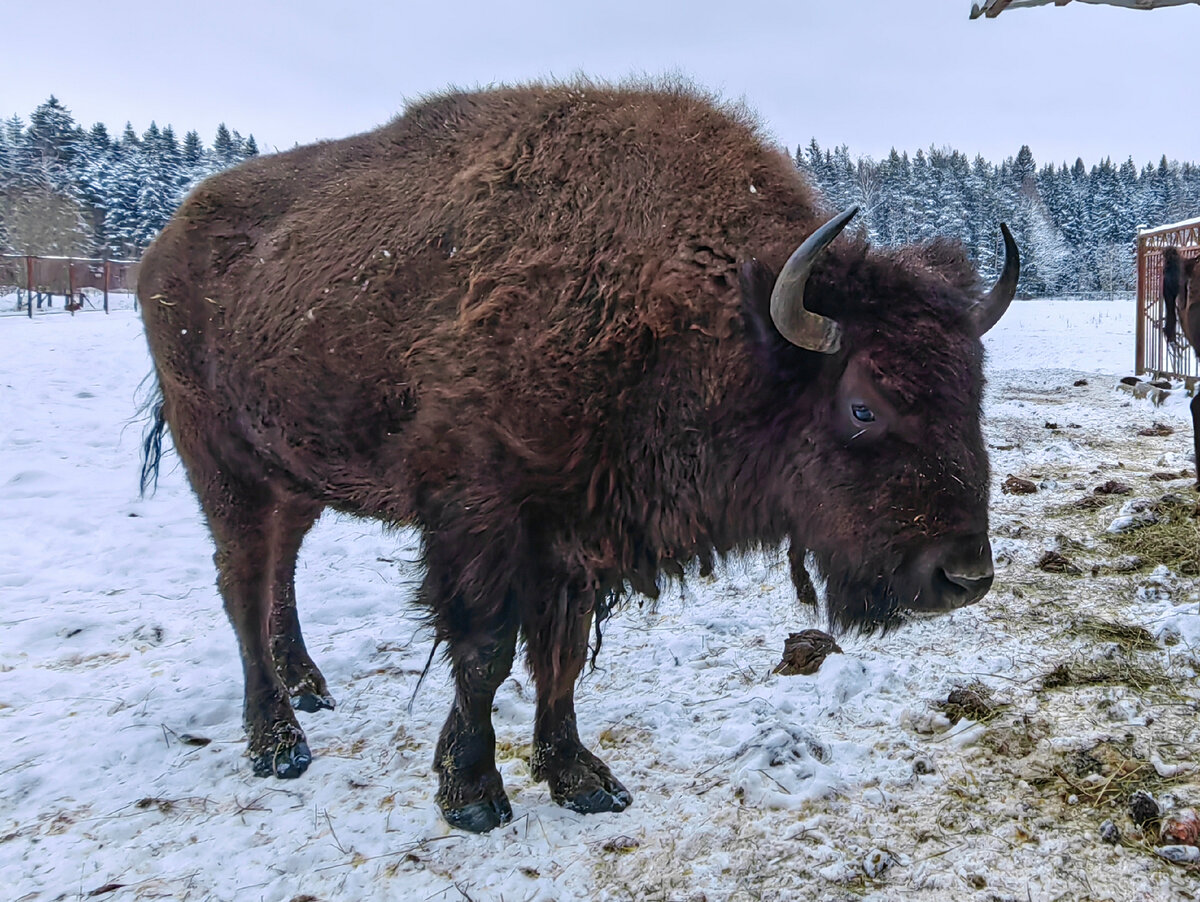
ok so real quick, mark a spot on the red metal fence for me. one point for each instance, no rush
(1154, 354)
(43, 278)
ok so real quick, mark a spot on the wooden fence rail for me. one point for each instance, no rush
(44, 278)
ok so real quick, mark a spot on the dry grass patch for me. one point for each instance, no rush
(1128, 636)
(1174, 540)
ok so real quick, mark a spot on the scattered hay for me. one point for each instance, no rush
(1124, 563)
(1126, 635)
(1016, 739)
(1115, 670)
(1174, 540)
(1109, 774)
(513, 751)
(621, 844)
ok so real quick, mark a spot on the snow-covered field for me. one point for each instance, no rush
(116, 663)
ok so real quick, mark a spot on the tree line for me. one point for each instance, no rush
(67, 191)
(70, 191)
(1076, 227)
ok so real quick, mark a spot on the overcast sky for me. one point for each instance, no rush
(1083, 80)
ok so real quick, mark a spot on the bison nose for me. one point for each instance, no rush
(954, 572)
(964, 573)
(966, 588)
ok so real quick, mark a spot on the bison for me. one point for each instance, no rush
(578, 336)
(1181, 298)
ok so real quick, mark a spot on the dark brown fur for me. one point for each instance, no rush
(1181, 298)
(533, 322)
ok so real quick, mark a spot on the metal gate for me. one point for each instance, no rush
(1154, 354)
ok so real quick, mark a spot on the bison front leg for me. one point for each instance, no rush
(481, 648)
(556, 639)
(805, 591)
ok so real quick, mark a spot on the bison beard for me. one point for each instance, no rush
(543, 325)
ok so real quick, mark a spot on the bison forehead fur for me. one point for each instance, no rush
(534, 322)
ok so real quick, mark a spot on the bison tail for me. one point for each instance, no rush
(152, 440)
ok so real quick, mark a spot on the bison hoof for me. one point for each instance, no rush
(308, 702)
(583, 783)
(616, 798)
(284, 762)
(479, 817)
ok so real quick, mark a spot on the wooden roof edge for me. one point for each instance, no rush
(1171, 227)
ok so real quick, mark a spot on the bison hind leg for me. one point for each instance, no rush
(257, 526)
(301, 677)
(246, 523)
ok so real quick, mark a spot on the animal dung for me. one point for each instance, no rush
(805, 652)
(971, 702)
(1080, 382)
(1053, 562)
(1157, 429)
(1015, 485)
(1114, 487)
(1143, 810)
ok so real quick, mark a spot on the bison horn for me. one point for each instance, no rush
(798, 325)
(988, 309)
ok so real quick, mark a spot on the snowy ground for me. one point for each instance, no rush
(116, 661)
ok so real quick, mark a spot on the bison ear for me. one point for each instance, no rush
(756, 281)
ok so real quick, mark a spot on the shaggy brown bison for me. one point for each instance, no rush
(544, 326)
(1181, 298)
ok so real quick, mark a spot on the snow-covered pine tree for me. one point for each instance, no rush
(223, 147)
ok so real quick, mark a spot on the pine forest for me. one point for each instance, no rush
(70, 191)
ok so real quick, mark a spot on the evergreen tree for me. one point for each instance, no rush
(1022, 170)
(223, 146)
(193, 150)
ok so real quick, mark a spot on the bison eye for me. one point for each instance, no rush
(862, 413)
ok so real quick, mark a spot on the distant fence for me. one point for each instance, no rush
(1154, 354)
(40, 279)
